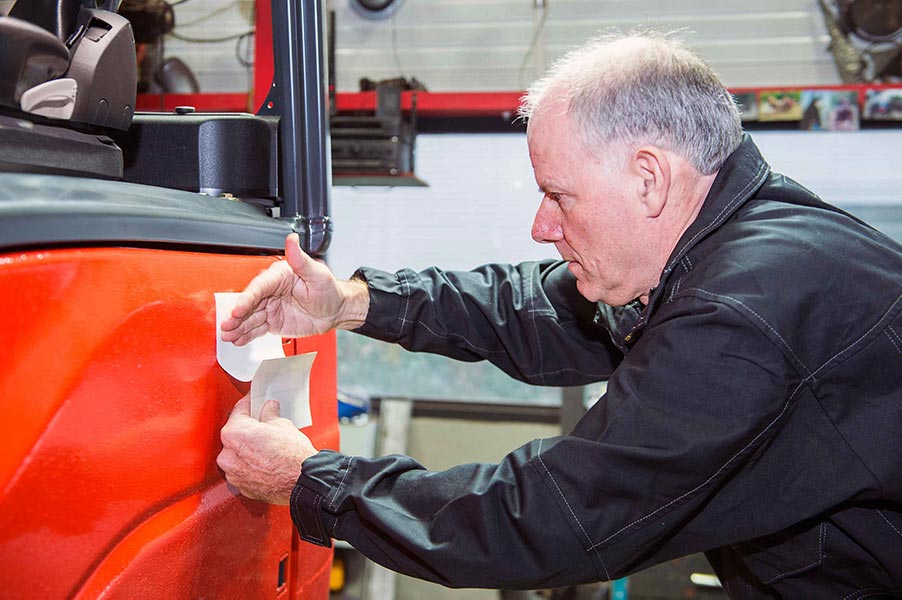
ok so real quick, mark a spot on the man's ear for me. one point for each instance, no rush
(653, 170)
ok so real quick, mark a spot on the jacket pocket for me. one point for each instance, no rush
(791, 552)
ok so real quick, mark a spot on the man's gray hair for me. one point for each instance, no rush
(643, 88)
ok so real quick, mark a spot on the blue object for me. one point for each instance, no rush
(619, 589)
(350, 406)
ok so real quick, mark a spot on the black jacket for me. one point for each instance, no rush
(753, 411)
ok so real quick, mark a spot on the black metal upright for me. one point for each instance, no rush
(299, 97)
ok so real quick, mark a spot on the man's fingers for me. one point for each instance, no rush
(248, 337)
(261, 287)
(251, 327)
(270, 411)
(241, 408)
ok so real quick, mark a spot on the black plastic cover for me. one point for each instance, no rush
(28, 147)
(212, 152)
(49, 210)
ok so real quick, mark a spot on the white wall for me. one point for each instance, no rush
(482, 197)
(463, 45)
(479, 209)
(467, 45)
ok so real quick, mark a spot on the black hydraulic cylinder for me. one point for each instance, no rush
(299, 97)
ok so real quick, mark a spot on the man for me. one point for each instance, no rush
(751, 336)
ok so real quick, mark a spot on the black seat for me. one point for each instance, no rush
(69, 60)
(56, 16)
(29, 56)
(65, 65)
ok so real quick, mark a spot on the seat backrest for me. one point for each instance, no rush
(57, 16)
(29, 56)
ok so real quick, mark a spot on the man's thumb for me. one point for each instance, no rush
(297, 259)
(270, 411)
(242, 408)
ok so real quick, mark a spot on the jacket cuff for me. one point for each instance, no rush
(308, 498)
(388, 295)
(305, 507)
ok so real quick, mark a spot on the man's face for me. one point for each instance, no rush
(589, 211)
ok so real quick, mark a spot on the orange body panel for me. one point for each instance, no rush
(112, 401)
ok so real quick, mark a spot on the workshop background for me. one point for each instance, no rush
(480, 199)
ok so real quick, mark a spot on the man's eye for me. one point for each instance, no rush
(553, 196)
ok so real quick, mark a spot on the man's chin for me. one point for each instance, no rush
(587, 291)
(593, 294)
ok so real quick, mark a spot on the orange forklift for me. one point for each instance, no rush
(116, 229)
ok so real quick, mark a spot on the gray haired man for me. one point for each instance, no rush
(751, 336)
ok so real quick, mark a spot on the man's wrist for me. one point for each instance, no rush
(355, 304)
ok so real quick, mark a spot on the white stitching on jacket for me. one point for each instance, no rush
(893, 336)
(822, 554)
(573, 514)
(760, 318)
(531, 303)
(488, 352)
(676, 288)
(461, 337)
(864, 335)
(405, 289)
(350, 459)
(716, 473)
(888, 522)
(864, 593)
(568, 370)
(886, 331)
(751, 443)
(541, 374)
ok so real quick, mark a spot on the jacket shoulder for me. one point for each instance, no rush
(807, 274)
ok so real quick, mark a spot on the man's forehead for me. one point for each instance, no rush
(553, 108)
(546, 128)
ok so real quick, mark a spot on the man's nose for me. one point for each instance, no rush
(546, 227)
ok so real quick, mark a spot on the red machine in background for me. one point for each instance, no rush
(111, 394)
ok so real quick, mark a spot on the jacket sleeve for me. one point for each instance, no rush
(689, 450)
(529, 320)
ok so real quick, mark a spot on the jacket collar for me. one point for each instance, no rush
(740, 177)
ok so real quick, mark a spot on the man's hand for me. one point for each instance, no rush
(262, 459)
(295, 297)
